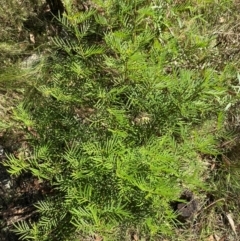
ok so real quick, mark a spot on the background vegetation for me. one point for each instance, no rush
(118, 109)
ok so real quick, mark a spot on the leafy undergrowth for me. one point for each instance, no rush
(129, 116)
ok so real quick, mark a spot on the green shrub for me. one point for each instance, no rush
(114, 126)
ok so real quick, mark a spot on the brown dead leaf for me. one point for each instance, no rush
(222, 238)
(32, 38)
(231, 222)
(98, 238)
(221, 20)
(214, 237)
(210, 238)
(135, 237)
(217, 238)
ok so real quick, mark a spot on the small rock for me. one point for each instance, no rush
(7, 183)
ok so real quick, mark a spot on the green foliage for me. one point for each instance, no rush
(118, 126)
